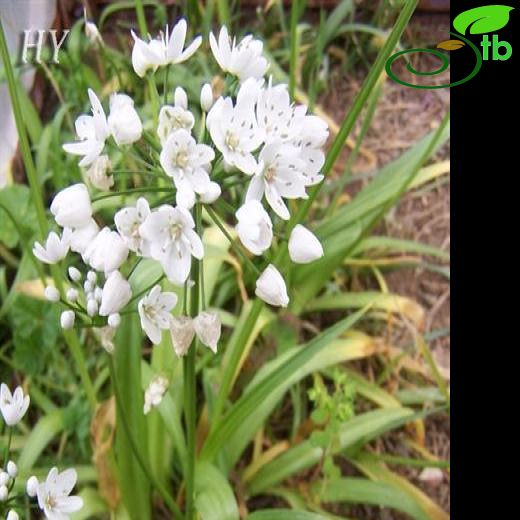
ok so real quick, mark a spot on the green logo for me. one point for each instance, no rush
(480, 20)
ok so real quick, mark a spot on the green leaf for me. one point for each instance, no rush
(16, 198)
(284, 514)
(214, 498)
(35, 326)
(484, 19)
(356, 490)
(359, 429)
(41, 435)
(135, 487)
(246, 408)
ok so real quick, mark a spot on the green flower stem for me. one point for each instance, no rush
(190, 392)
(200, 231)
(37, 200)
(223, 12)
(168, 499)
(8, 445)
(141, 18)
(293, 59)
(132, 191)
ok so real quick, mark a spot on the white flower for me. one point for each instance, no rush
(208, 327)
(13, 406)
(171, 119)
(12, 515)
(304, 247)
(12, 469)
(67, 319)
(271, 288)
(206, 97)
(123, 121)
(128, 220)
(279, 174)
(188, 164)
(98, 173)
(4, 493)
(180, 98)
(182, 332)
(92, 132)
(154, 393)
(312, 137)
(173, 241)
(4, 478)
(234, 129)
(71, 206)
(276, 115)
(254, 227)
(107, 251)
(82, 237)
(244, 60)
(167, 49)
(32, 486)
(56, 248)
(53, 495)
(154, 312)
(116, 294)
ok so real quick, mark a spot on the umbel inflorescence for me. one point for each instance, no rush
(252, 131)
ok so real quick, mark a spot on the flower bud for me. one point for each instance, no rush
(114, 320)
(4, 493)
(67, 319)
(181, 98)
(74, 274)
(271, 288)
(51, 294)
(12, 469)
(206, 97)
(116, 294)
(92, 307)
(71, 207)
(254, 227)
(72, 295)
(123, 120)
(4, 478)
(12, 515)
(304, 247)
(211, 193)
(32, 486)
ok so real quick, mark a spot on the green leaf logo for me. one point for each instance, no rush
(481, 20)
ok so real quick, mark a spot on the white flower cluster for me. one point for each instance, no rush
(255, 130)
(53, 494)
